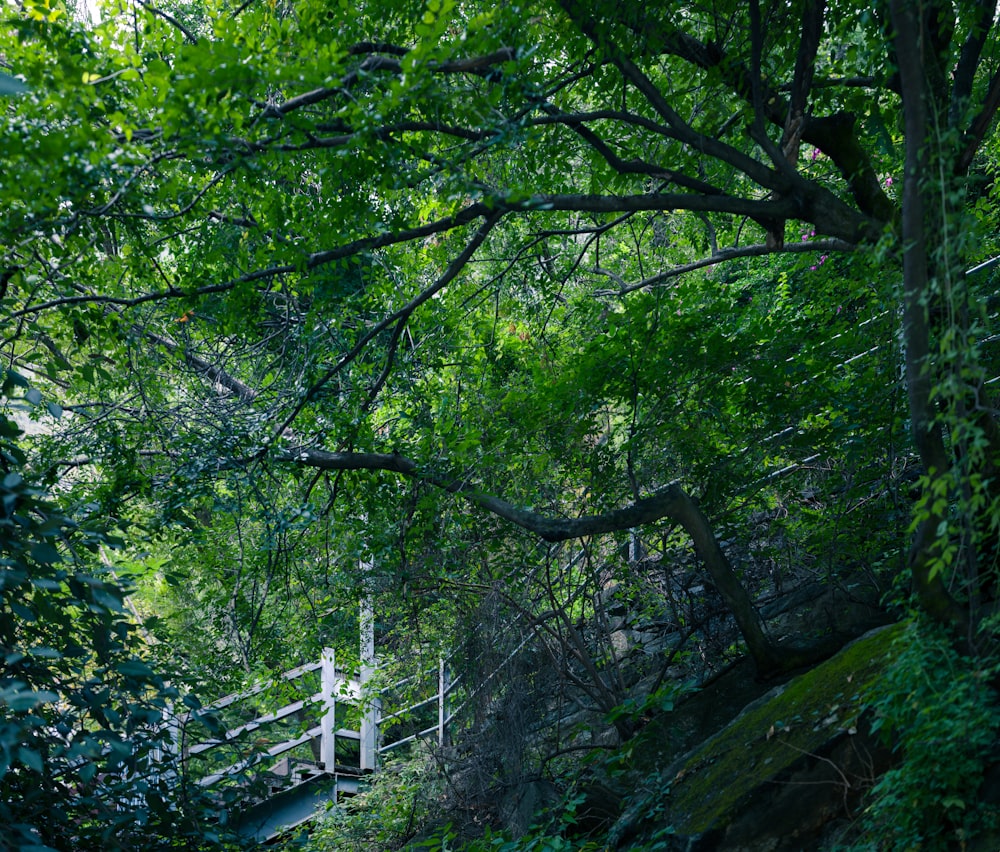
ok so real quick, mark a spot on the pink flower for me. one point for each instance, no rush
(822, 260)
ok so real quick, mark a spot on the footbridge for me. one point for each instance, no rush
(276, 754)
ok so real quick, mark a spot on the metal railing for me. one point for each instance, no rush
(313, 727)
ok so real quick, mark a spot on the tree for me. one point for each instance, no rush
(314, 226)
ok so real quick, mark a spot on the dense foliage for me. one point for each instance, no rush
(939, 710)
(506, 318)
(82, 730)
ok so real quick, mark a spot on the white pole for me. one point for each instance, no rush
(370, 704)
(442, 700)
(328, 692)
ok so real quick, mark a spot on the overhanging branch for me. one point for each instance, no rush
(760, 250)
(668, 503)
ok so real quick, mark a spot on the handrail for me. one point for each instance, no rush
(339, 689)
(233, 697)
(249, 727)
(411, 738)
(255, 759)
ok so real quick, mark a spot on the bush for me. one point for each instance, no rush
(939, 712)
(402, 800)
(81, 733)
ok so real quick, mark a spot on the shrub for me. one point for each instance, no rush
(939, 712)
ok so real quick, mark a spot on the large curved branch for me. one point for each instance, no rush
(663, 504)
(669, 503)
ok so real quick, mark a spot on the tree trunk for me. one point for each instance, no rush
(926, 552)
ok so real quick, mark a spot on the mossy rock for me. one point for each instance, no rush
(799, 736)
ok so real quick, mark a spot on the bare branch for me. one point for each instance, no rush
(170, 19)
(454, 268)
(213, 372)
(724, 255)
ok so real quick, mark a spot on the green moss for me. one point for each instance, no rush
(773, 733)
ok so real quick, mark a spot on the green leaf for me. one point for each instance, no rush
(21, 700)
(17, 379)
(135, 668)
(46, 653)
(107, 598)
(45, 553)
(30, 758)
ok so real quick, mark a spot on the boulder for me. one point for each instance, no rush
(790, 765)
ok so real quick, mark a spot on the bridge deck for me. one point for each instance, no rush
(296, 805)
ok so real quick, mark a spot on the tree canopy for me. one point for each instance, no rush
(434, 287)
